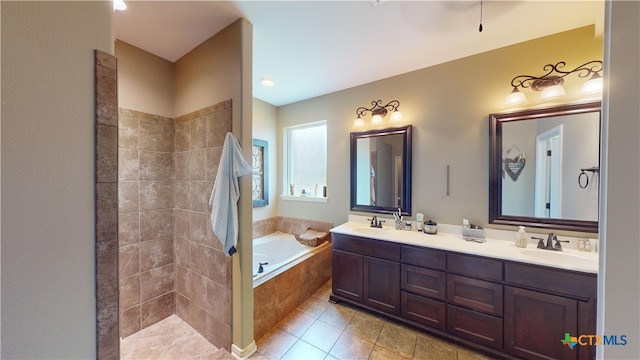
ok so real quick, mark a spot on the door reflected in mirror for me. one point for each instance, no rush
(540, 162)
(381, 170)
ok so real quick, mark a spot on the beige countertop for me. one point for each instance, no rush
(449, 238)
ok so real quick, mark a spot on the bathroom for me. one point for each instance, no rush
(48, 253)
(446, 138)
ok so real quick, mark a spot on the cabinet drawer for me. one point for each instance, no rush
(477, 327)
(425, 282)
(423, 257)
(424, 311)
(474, 266)
(475, 294)
(375, 248)
(562, 282)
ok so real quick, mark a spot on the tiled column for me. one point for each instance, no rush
(107, 206)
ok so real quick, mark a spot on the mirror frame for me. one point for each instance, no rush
(405, 131)
(495, 159)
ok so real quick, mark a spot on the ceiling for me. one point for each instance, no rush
(312, 48)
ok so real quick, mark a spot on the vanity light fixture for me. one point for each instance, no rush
(119, 5)
(378, 112)
(550, 84)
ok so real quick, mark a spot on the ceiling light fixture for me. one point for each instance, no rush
(267, 82)
(119, 5)
(378, 112)
(551, 83)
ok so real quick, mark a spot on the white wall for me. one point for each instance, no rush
(619, 281)
(48, 216)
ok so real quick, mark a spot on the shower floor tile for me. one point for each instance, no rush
(172, 339)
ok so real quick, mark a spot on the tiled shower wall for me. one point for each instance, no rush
(145, 205)
(170, 260)
(203, 272)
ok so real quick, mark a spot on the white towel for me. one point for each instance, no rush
(225, 194)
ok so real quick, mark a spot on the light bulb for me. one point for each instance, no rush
(358, 122)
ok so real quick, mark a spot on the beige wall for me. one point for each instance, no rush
(48, 127)
(217, 70)
(448, 105)
(145, 81)
(265, 123)
(619, 282)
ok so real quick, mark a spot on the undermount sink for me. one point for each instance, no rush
(371, 230)
(559, 257)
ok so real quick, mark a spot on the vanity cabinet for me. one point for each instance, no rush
(508, 309)
(541, 305)
(367, 272)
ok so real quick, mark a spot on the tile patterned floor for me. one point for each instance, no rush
(170, 339)
(319, 329)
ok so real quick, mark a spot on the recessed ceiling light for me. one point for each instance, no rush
(119, 5)
(267, 82)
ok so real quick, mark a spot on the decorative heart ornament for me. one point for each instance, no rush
(514, 167)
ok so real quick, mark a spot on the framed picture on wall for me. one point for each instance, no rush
(260, 189)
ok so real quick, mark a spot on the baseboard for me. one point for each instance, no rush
(242, 354)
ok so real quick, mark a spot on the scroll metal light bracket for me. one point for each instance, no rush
(555, 75)
(378, 109)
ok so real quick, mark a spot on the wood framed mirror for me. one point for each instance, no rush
(381, 170)
(544, 167)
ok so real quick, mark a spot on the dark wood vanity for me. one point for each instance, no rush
(504, 308)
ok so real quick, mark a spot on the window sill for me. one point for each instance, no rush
(304, 198)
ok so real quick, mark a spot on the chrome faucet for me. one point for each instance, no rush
(375, 223)
(550, 242)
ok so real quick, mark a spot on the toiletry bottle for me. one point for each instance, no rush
(521, 238)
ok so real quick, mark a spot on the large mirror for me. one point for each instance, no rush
(381, 170)
(544, 167)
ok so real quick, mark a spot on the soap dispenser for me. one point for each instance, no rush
(521, 238)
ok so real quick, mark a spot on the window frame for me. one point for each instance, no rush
(286, 168)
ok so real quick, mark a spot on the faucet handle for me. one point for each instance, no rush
(540, 242)
(558, 245)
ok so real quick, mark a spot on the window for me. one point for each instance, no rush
(305, 160)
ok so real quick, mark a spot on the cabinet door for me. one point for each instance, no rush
(535, 323)
(347, 275)
(382, 285)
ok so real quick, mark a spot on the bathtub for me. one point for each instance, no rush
(280, 251)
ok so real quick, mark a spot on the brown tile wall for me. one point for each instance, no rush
(106, 150)
(145, 205)
(278, 297)
(202, 271)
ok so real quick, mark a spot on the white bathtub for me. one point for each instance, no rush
(278, 250)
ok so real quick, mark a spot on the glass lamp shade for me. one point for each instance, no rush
(594, 85)
(376, 120)
(358, 123)
(552, 92)
(396, 116)
(516, 97)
